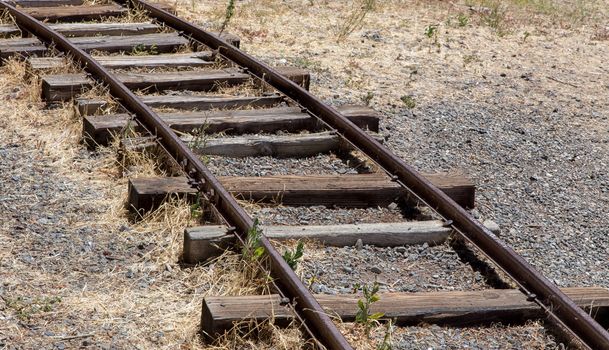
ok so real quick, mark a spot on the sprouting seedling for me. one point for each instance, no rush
(363, 315)
(141, 50)
(252, 250)
(199, 137)
(368, 98)
(196, 210)
(431, 31)
(387, 344)
(129, 129)
(293, 257)
(230, 12)
(463, 20)
(408, 101)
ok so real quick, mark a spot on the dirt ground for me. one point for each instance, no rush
(514, 93)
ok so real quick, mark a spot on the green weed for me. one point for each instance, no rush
(196, 210)
(303, 62)
(368, 98)
(431, 32)
(363, 315)
(129, 129)
(408, 101)
(387, 343)
(293, 257)
(199, 136)
(463, 20)
(495, 17)
(228, 14)
(467, 59)
(252, 250)
(26, 309)
(142, 50)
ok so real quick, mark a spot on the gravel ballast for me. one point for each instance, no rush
(521, 106)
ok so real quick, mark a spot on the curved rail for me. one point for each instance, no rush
(293, 287)
(538, 288)
(534, 284)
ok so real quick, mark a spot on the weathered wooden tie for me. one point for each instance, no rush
(94, 106)
(349, 191)
(278, 146)
(157, 42)
(60, 87)
(76, 13)
(192, 59)
(101, 128)
(202, 243)
(81, 12)
(445, 308)
(91, 29)
(47, 3)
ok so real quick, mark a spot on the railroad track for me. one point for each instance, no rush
(138, 63)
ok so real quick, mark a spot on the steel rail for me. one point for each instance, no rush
(538, 287)
(293, 287)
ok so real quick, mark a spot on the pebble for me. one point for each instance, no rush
(375, 270)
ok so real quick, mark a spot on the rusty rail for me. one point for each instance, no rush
(536, 286)
(533, 283)
(293, 287)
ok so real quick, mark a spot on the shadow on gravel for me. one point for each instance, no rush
(467, 255)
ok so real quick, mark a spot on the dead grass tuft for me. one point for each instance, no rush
(265, 335)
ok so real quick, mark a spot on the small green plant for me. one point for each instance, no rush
(408, 101)
(363, 315)
(495, 18)
(196, 210)
(141, 50)
(304, 62)
(368, 98)
(525, 36)
(25, 308)
(431, 31)
(199, 136)
(463, 20)
(129, 129)
(387, 344)
(293, 257)
(228, 14)
(355, 19)
(467, 59)
(252, 250)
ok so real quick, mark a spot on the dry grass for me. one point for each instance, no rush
(23, 95)
(159, 305)
(403, 61)
(146, 298)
